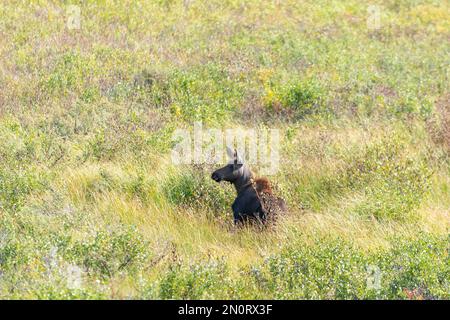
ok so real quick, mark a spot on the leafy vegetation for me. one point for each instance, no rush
(91, 205)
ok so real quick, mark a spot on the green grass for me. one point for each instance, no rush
(86, 123)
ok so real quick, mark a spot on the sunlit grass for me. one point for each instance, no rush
(86, 122)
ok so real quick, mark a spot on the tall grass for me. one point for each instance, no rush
(91, 205)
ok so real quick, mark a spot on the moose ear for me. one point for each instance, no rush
(237, 157)
(237, 161)
(230, 152)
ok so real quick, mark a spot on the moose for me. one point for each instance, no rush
(254, 200)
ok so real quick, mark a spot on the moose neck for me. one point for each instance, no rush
(243, 181)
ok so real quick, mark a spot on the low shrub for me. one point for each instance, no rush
(195, 188)
(110, 253)
(194, 281)
(296, 99)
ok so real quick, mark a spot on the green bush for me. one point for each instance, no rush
(15, 186)
(195, 188)
(336, 269)
(305, 98)
(331, 268)
(327, 270)
(301, 99)
(415, 268)
(194, 281)
(110, 253)
(394, 185)
(204, 94)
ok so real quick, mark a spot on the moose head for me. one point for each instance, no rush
(233, 171)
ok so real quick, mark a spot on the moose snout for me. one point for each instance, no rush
(216, 177)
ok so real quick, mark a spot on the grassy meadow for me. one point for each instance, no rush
(92, 207)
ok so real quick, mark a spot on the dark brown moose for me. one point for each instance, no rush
(254, 200)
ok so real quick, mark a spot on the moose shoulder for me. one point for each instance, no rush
(254, 200)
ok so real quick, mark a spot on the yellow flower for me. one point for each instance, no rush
(176, 110)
